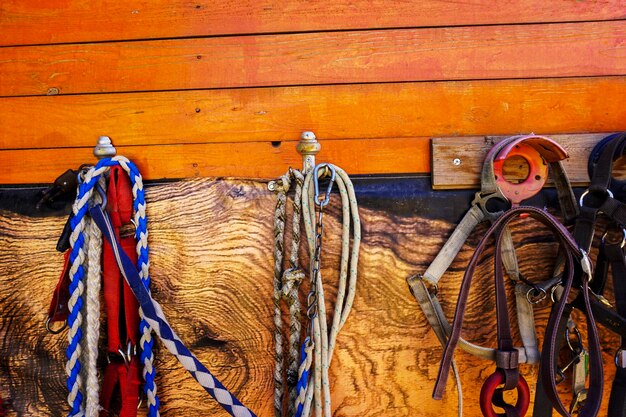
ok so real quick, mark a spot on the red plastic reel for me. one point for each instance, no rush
(489, 388)
(537, 175)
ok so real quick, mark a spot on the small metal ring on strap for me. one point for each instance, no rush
(55, 331)
(623, 237)
(539, 295)
(582, 197)
(579, 340)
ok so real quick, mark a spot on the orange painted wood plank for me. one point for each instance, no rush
(25, 22)
(332, 112)
(459, 53)
(248, 160)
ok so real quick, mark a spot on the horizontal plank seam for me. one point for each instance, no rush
(283, 141)
(456, 80)
(232, 35)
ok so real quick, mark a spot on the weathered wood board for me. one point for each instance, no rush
(457, 162)
(211, 259)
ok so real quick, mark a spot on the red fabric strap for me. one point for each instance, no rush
(121, 306)
(58, 310)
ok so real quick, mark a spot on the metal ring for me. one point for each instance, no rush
(578, 337)
(623, 238)
(582, 197)
(52, 331)
(542, 295)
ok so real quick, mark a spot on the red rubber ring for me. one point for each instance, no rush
(489, 388)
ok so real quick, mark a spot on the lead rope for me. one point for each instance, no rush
(323, 342)
(91, 266)
(286, 285)
(149, 308)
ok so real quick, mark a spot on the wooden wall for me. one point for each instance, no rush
(224, 88)
(212, 88)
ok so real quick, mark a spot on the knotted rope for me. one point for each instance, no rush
(286, 284)
(82, 261)
(323, 339)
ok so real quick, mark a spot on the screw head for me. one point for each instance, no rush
(456, 161)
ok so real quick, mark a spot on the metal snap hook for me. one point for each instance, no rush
(322, 201)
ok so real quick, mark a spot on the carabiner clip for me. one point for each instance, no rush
(321, 202)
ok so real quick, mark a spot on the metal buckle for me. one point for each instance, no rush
(481, 202)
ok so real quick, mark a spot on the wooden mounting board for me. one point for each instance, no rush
(471, 152)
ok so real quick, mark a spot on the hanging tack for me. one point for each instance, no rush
(104, 148)
(308, 147)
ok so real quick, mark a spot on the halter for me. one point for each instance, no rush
(507, 357)
(599, 199)
(539, 152)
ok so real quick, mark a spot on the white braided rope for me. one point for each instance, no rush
(92, 312)
(78, 323)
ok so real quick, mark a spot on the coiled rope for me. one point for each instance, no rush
(87, 261)
(286, 285)
(324, 341)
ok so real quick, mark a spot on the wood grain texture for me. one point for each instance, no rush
(457, 53)
(67, 21)
(211, 261)
(471, 152)
(332, 112)
(249, 160)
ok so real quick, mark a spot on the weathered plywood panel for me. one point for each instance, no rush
(470, 153)
(332, 112)
(211, 261)
(248, 159)
(456, 53)
(24, 22)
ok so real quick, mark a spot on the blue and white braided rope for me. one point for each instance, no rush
(155, 317)
(77, 285)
